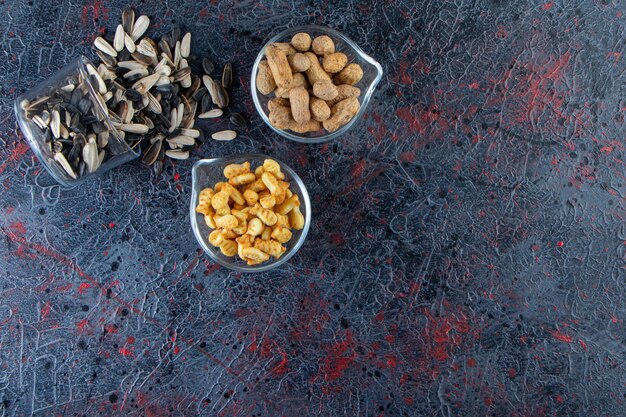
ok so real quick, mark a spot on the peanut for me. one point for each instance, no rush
(299, 98)
(279, 66)
(296, 219)
(323, 45)
(264, 79)
(301, 41)
(342, 113)
(277, 102)
(344, 91)
(310, 126)
(333, 63)
(351, 74)
(315, 71)
(280, 117)
(233, 170)
(285, 47)
(325, 89)
(299, 62)
(298, 81)
(319, 109)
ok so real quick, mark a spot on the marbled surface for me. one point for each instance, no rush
(466, 256)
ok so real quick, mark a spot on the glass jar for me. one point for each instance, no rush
(67, 124)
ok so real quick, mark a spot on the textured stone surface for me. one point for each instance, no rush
(466, 256)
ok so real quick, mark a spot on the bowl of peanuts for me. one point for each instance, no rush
(311, 83)
(249, 212)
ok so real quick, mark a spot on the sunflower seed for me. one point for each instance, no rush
(128, 19)
(151, 155)
(132, 65)
(164, 46)
(190, 116)
(144, 59)
(211, 114)
(162, 67)
(133, 128)
(163, 80)
(176, 34)
(106, 73)
(55, 123)
(206, 103)
(64, 132)
(207, 66)
(177, 54)
(107, 60)
(218, 94)
(194, 133)
(129, 43)
(103, 139)
(185, 45)
(142, 72)
(237, 120)
(177, 154)
(39, 122)
(173, 120)
(146, 83)
(60, 158)
(181, 140)
(74, 154)
(208, 82)
(141, 25)
(118, 41)
(227, 75)
(224, 135)
(154, 104)
(181, 74)
(199, 94)
(102, 88)
(146, 47)
(104, 46)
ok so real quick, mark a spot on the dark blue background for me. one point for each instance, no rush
(466, 256)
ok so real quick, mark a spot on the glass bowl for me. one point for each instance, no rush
(372, 74)
(117, 151)
(207, 172)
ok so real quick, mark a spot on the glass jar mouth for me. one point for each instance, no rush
(75, 73)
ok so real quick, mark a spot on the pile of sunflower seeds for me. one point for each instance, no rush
(149, 93)
(152, 95)
(73, 127)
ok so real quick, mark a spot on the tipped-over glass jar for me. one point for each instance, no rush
(66, 123)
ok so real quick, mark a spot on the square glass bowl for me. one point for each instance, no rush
(207, 172)
(372, 74)
(118, 151)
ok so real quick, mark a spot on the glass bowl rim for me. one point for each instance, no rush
(365, 97)
(202, 240)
